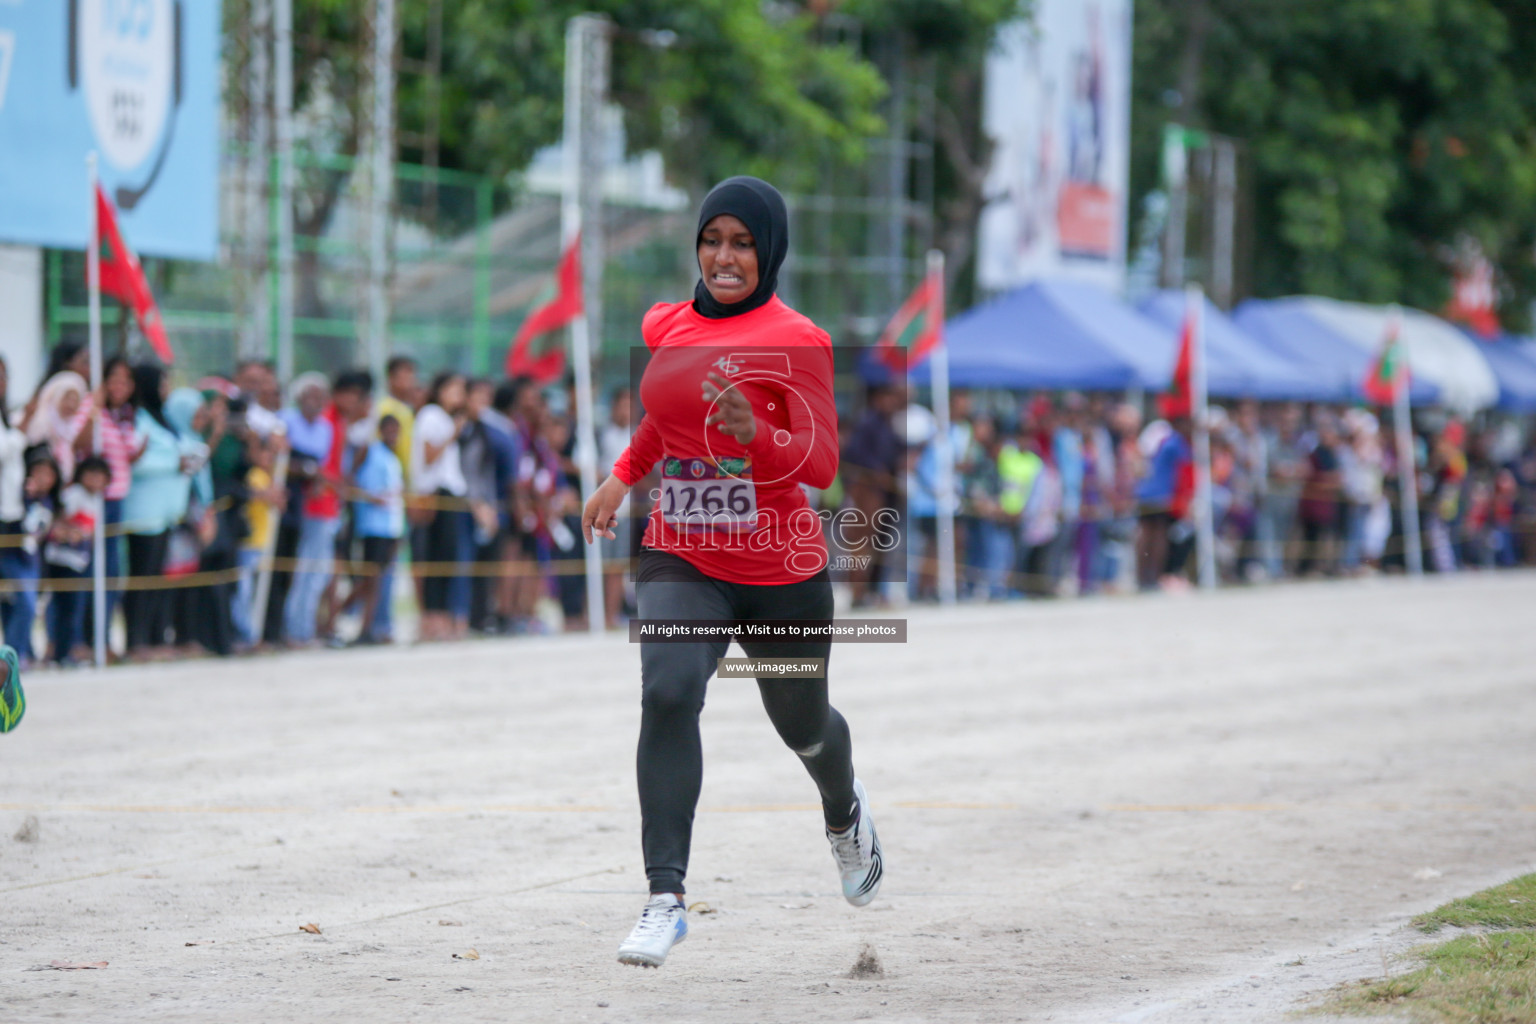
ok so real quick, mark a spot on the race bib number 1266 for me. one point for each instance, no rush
(709, 494)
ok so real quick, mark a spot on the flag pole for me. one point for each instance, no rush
(1407, 469)
(1205, 513)
(99, 534)
(946, 508)
(578, 110)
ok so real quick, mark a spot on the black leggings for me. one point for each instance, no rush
(674, 676)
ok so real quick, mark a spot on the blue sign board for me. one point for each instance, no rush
(137, 81)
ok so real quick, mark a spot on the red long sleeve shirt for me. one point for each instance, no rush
(736, 512)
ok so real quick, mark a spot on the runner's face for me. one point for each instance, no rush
(728, 259)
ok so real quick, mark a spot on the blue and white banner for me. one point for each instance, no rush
(138, 82)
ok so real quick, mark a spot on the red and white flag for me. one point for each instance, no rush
(916, 329)
(534, 353)
(1388, 372)
(1180, 398)
(123, 278)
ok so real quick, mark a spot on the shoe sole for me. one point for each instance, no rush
(638, 959)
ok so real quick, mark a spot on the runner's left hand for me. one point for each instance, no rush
(732, 412)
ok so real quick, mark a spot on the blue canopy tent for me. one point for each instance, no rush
(1289, 328)
(1237, 365)
(1513, 361)
(1055, 334)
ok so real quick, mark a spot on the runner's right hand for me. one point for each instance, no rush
(600, 514)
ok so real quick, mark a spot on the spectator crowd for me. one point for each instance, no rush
(1074, 494)
(236, 515)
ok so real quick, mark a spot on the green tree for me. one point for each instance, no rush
(1379, 132)
(718, 86)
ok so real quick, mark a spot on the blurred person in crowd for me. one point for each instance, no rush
(538, 482)
(223, 422)
(611, 442)
(1320, 510)
(1094, 512)
(488, 456)
(13, 472)
(257, 383)
(565, 522)
(321, 522)
(378, 522)
(1366, 518)
(517, 566)
(265, 499)
(924, 494)
(308, 436)
(1503, 509)
(402, 396)
(871, 468)
(66, 357)
(21, 555)
(1067, 454)
(1040, 522)
(198, 611)
(112, 411)
(68, 555)
(437, 473)
(1287, 465)
(1018, 469)
(1448, 472)
(1223, 471)
(353, 431)
(1158, 496)
(51, 418)
(311, 435)
(1124, 428)
(990, 554)
(1249, 488)
(157, 501)
(525, 408)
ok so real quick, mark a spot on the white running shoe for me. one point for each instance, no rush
(857, 852)
(663, 924)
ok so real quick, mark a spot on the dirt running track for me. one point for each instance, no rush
(1161, 810)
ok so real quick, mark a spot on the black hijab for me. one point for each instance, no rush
(759, 206)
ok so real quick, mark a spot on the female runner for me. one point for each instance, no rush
(739, 411)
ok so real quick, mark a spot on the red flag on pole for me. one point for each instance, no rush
(1180, 399)
(916, 329)
(1387, 373)
(533, 353)
(123, 278)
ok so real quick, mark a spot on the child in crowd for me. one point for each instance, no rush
(67, 555)
(22, 555)
(265, 502)
(378, 520)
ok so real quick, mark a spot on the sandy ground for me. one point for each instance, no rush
(1161, 810)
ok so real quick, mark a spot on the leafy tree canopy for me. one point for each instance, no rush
(1378, 132)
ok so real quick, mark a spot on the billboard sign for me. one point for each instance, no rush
(138, 82)
(1057, 108)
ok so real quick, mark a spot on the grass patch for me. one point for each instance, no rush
(1511, 905)
(1487, 978)
(1476, 979)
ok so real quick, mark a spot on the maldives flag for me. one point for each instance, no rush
(123, 278)
(1180, 399)
(1387, 373)
(916, 329)
(535, 352)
